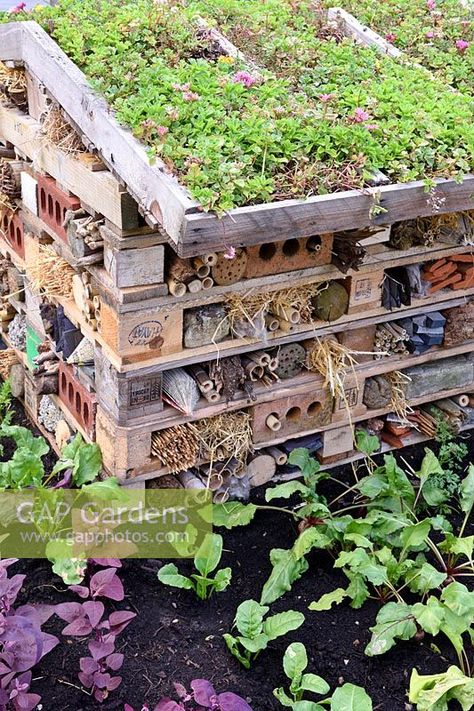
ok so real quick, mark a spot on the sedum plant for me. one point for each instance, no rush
(320, 114)
(348, 697)
(206, 560)
(256, 630)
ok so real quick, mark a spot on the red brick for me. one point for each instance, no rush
(12, 231)
(79, 401)
(53, 204)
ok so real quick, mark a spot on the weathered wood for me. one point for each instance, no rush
(351, 209)
(353, 28)
(159, 193)
(135, 267)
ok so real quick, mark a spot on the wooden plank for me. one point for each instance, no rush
(135, 267)
(151, 185)
(99, 189)
(355, 29)
(351, 209)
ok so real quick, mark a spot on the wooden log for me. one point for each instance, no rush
(261, 469)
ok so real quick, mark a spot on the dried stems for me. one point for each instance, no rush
(398, 384)
(176, 447)
(8, 358)
(224, 437)
(50, 274)
(57, 130)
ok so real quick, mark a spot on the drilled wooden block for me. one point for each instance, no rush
(79, 401)
(296, 414)
(123, 450)
(13, 232)
(126, 396)
(365, 291)
(148, 333)
(278, 257)
(53, 203)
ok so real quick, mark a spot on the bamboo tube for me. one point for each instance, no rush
(212, 396)
(273, 364)
(97, 316)
(96, 301)
(253, 370)
(202, 379)
(462, 400)
(210, 258)
(259, 357)
(221, 496)
(89, 307)
(278, 455)
(194, 286)
(94, 244)
(86, 277)
(212, 479)
(286, 312)
(207, 283)
(190, 480)
(177, 288)
(273, 423)
(271, 323)
(202, 269)
(471, 400)
(92, 323)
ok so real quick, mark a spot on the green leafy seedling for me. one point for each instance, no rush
(435, 691)
(346, 698)
(206, 560)
(255, 632)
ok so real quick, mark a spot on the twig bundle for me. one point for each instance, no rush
(8, 358)
(50, 274)
(176, 447)
(398, 384)
(57, 130)
(224, 437)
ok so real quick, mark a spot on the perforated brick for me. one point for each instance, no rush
(296, 414)
(12, 231)
(53, 204)
(79, 401)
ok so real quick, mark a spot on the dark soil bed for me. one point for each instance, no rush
(177, 638)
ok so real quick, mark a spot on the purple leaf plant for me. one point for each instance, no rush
(203, 694)
(22, 643)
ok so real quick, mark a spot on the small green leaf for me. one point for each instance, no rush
(365, 443)
(394, 621)
(295, 660)
(281, 695)
(87, 464)
(249, 618)
(413, 536)
(314, 683)
(430, 617)
(326, 601)
(209, 554)
(284, 491)
(350, 697)
(233, 514)
(169, 575)
(286, 570)
(282, 623)
(301, 458)
(222, 579)
(434, 691)
(467, 490)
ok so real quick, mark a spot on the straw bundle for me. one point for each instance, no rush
(425, 231)
(224, 437)
(399, 404)
(57, 130)
(252, 308)
(50, 274)
(333, 360)
(176, 447)
(8, 358)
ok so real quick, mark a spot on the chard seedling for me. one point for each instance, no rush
(348, 697)
(255, 632)
(436, 691)
(206, 560)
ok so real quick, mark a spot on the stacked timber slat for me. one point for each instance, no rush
(215, 365)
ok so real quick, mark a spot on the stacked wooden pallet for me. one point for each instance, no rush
(175, 348)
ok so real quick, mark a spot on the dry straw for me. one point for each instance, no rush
(399, 404)
(59, 132)
(50, 274)
(253, 306)
(224, 437)
(12, 81)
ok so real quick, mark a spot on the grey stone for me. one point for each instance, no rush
(433, 378)
(205, 325)
(377, 392)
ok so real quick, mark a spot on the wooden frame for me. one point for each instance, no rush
(164, 202)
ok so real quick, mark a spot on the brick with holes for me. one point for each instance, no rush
(79, 401)
(290, 415)
(53, 203)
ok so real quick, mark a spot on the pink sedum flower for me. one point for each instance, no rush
(17, 8)
(190, 96)
(360, 115)
(244, 78)
(429, 35)
(431, 4)
(162, 130)
(371, 126)
(230, 253)
(461, 46)
(325, 98)
(390, 37)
